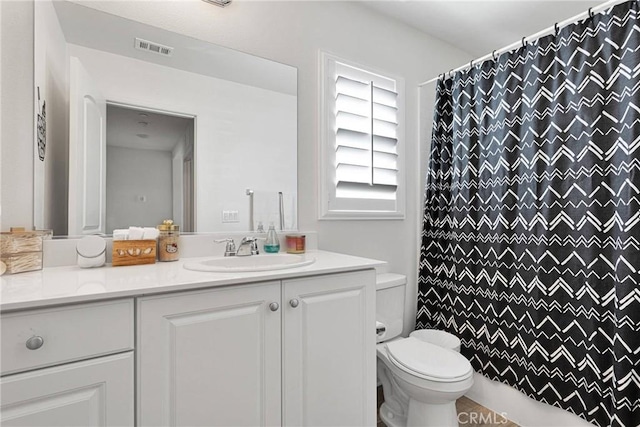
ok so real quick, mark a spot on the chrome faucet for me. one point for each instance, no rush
(248, 246)
(230, 248)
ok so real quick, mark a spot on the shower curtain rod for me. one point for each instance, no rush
(549, 30)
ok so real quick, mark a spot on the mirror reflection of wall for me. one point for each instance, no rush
(245, 134)
(147, 179)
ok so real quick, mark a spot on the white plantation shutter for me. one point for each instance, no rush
(361, 151)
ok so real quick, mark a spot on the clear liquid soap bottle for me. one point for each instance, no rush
(272, 244)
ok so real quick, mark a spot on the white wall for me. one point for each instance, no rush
(51, 76)
(16, 111)
(238, 129)
(134, 173)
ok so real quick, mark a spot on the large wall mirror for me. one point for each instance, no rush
(135, 124)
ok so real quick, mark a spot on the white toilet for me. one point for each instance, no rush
(422, 375)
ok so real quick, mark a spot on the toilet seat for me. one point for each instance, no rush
(428, 361)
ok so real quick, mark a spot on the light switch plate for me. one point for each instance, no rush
(230, 216)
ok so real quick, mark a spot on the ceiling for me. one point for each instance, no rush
(479, 27)
(144, 130)
(88, 27)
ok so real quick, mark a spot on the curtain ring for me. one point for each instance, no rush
(451, 73)
(471, 64)
(524, 43)
(493, 54)
(590, 13)
(556, 28)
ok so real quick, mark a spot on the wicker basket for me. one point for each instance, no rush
(21, 250)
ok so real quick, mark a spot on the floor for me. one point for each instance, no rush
(473, 414)
(470, 414)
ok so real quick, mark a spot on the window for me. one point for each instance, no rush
(361, 152)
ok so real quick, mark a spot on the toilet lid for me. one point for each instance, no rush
(428, 360)
(437, 337)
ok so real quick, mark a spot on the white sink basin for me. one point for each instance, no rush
(263, 262)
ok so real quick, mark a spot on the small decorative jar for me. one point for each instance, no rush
(91, 252)
(295, 243)
(168, 241)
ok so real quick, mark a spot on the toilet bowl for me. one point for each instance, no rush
(421, 382)
(421, 375)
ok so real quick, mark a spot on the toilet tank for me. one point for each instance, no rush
(390, 290)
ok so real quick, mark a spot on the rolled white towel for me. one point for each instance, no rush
(150, 233)
(120, 234)
(136, 233)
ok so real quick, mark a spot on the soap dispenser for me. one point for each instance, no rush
(272, 244)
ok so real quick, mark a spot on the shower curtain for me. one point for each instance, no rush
(531, 240)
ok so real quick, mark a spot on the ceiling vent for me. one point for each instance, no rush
(221, 3)
(153, 47)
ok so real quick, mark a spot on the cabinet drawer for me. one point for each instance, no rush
(68, 333)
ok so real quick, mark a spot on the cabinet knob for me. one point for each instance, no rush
(294, 303)
(274, 306)
(35, 342)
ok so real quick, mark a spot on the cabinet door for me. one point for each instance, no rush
(210, 358)
(329, 352)
(96, 392)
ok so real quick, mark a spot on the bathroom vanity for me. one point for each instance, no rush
(162, 345)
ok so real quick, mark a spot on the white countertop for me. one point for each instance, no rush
(64, 285)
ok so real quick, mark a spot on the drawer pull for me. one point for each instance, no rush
(35, 342)
(294, 303)
(274, 306)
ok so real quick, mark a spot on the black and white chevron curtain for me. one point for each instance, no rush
(531, 241)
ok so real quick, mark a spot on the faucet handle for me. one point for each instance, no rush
(230, 248)
(253, 241)
(249, 239)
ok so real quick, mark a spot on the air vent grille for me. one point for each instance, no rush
(221, 3)
(153, 47)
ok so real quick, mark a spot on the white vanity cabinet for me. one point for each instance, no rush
(298, 352)
(68, 366)
(329, 353)
(210, 358)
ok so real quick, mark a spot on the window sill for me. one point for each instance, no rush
(360, 216)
